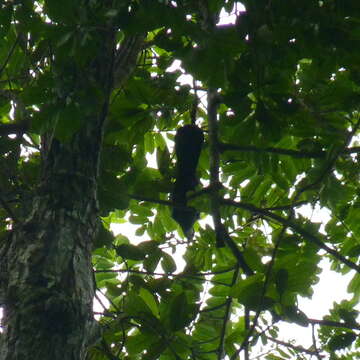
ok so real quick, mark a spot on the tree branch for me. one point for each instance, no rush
(294, 226)
(219, 186)
(214, 165)
(222, 235)
(337, 324)
(195, 276)
(289, 152)
(291, 346)
(287, 207)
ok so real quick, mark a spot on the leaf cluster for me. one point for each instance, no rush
(288, 85)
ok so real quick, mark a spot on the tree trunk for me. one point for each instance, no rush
(49, 283)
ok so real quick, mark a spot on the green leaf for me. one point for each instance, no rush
(68, 121)
(354, 251)
(160, 142)
(249, 292)
(148, 247)
(5, 19)
(163, 160)
(113, 290)
(149, 143)
(114, 158)
(104, 264)
(168, 263)
(104, 237)
(136, 306)
(131, 252)
(155, 350)
(349, 316)
(341, 341)
(152, 260)
(136, 344)
(281, 281)
(353, 219)
(253, 259)
(179, 312)
(296, 315)
(113, 193)
(64, 12)
(103, 278)
(150, 301)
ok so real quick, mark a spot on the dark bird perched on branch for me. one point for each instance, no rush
(188, 143)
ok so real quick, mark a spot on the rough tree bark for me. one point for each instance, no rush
(48, 283)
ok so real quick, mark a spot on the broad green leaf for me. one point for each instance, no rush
(168, 263)
(341, 341)
(104, 277)
(150, 301)
(149, 143)
(131, 252)
(68, 121)
(163, 160)
(152, 260)
(153, 352)
(179, 312)
(136, 344)
(5, 18)
(63, 13)
(104, 238)
(249, 292)
(296, 316)
(281, 281)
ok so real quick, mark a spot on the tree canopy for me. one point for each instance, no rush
(92, 93)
